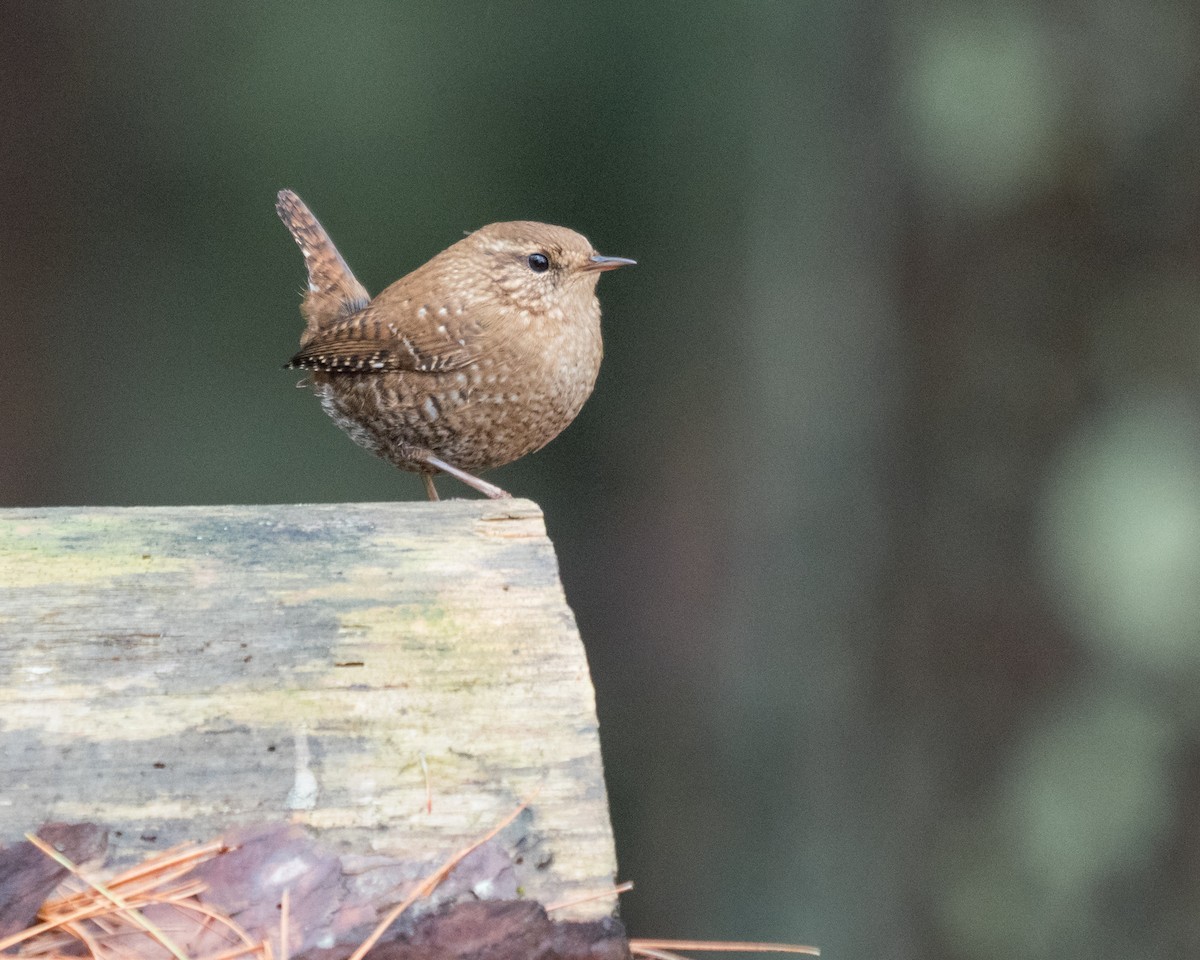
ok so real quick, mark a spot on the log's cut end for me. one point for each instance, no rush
(394, 676)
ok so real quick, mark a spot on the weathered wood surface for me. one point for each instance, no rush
(171, 671)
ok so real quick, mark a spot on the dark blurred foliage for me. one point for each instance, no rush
(883, 526)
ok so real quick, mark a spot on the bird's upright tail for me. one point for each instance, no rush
(333, 292)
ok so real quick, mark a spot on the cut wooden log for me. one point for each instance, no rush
(395, 676)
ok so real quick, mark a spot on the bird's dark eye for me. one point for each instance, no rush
(539, 262)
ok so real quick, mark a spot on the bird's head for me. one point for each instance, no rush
(537, 266)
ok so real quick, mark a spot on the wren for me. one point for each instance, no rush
(476, 358)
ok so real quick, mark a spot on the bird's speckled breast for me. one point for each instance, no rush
(482, 415)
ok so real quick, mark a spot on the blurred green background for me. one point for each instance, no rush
(883, 525)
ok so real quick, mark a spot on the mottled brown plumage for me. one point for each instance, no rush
(476, 358)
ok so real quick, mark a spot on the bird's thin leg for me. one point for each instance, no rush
(422, 458)
(487, 489)
(430, 489)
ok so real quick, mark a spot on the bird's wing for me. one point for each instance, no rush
(375, 340)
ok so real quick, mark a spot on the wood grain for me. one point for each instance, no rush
(171, 671)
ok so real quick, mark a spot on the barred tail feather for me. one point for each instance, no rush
(333, 292)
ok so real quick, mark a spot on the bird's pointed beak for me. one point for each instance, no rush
(598, 262)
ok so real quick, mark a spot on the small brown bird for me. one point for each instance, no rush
(482, 355)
